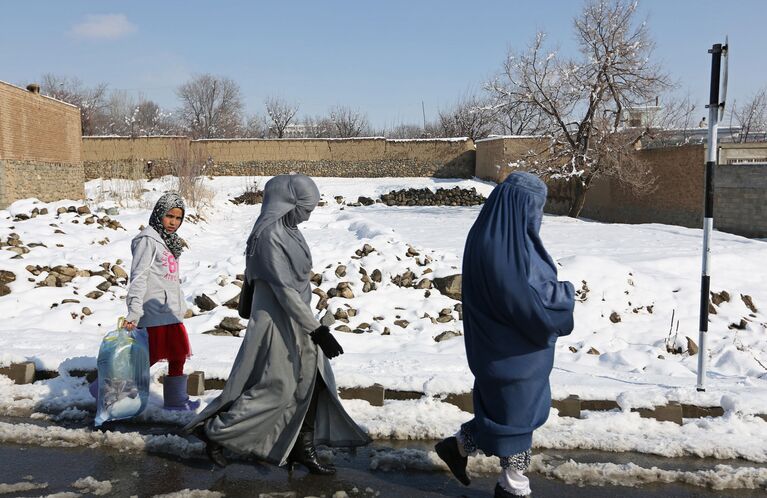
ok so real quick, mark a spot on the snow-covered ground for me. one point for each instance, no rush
(633, 278)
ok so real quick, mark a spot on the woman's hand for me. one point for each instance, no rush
(129, 326)
(325, 340)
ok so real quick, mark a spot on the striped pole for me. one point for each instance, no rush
(708, 208)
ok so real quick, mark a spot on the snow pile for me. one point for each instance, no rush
(636, 319)
(89, 485)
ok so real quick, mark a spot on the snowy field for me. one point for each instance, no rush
(632, 279)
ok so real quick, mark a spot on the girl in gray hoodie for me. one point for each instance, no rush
(155, 301)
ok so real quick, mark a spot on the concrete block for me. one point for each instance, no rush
(20, 373)
(217, 384)
(402, 395)
(694, 411)
(671, 412)
(464, 401)
(600, 405)
(568, 407)
(195, 383)
(374, 394)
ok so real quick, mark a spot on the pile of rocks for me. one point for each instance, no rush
(6, 277)
(455, 196)
(33, 214)
(249, 198)
(60, 275)
(14, 244)
(229, 326)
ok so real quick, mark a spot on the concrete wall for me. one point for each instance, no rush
(366, 157)
(40, 147)
(741, 199)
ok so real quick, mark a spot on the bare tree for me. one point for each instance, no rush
(281, 113)
(518, 118)
(470, 117)
(751, 117)
(148, 119)
(317, 127)
(348, 122)
(257, 126)
(583, 99)
(90, 100)
(211, 107)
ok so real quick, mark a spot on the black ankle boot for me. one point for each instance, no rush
(305, 453)
(447, 450)
(214, 450)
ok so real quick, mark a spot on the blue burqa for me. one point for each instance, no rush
(514, 308)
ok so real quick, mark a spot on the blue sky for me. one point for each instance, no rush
(381, 57)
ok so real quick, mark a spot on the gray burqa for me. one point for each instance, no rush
(269, 389)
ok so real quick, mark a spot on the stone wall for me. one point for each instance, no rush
(364, 157)
(40, 147)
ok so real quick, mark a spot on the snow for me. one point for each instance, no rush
(92, 486)
(640, 273)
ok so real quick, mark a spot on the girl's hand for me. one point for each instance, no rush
(129, 326)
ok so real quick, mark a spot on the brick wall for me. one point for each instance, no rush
(365, 157)
(40, 147)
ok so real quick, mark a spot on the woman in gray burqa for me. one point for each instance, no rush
(280, 398)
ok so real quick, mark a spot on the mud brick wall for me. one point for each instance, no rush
(365, 157)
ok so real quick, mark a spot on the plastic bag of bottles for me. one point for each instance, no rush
(123, 374)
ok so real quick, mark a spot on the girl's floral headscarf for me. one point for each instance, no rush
(167, 202)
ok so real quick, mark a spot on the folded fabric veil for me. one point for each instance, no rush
(276, 250)
(507, 271)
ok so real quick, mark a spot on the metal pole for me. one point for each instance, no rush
(708, 209)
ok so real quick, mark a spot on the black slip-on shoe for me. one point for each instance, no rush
(447, 450)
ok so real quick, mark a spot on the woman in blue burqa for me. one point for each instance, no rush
(280, 398)
(514, 309)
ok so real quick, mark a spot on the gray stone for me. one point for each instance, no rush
(327, 319)
(343, 328)
(87, 311)
(205, 303)
(692, 348)
(376, 276)
(231, 324)
(104, 286)
(449, 286)
(341, 271)
(119, 272)
(7, 277)
(448, 334)
(94, 294)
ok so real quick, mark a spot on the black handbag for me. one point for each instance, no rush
(246, 299)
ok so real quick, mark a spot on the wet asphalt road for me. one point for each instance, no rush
(137, 474)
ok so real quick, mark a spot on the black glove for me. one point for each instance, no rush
(325, 340)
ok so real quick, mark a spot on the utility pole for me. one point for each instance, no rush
(715, 111)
